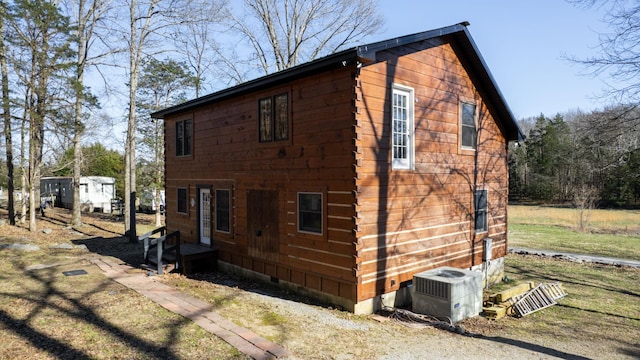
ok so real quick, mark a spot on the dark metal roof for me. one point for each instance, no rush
(458, 34)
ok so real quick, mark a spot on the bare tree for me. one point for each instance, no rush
(149, 21)
(283, 34)
(87, 13)
(619, 50)
(584, 200)
(195, 38)
(6, 114)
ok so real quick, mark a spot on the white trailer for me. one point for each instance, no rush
(96, 192)
(147, 201)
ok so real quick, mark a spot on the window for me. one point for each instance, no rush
(480, 206)
(468, 125)
(182, 200)
(183, 137)
(402, 127)
(310, 212)
(223, 210)
(273, 118)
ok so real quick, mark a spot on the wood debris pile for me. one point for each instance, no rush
(522, 300)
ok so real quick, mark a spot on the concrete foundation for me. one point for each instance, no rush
(394, 299)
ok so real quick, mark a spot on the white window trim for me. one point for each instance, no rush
(321, 212)
(475, 123)
(475, 212)
(409, 162)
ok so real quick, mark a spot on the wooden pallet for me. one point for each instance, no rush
(538, 298)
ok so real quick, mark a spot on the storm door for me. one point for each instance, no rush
(263, 224)
(205, 216)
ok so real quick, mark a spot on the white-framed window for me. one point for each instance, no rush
(481, 220)
(223, 210)
(468, 131)
(402, 131)
(310, 211)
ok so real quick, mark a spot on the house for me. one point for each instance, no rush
(345, 176)
(96, 192)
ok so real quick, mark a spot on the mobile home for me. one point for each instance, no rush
(96, 192)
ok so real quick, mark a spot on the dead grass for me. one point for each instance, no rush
(614, 233)
(626, 222)
(46, 315)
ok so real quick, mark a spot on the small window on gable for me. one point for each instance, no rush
(183, 137)
(402, 137)
(481, 210)
(468, 130)
(310, 212)
(273, 118)
(223, 210)
(182, 201)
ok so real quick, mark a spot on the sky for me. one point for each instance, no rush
(523, 42)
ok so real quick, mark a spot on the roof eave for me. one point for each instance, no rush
(342, 58)
(513, 132)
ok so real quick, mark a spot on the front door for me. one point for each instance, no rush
(205, 216)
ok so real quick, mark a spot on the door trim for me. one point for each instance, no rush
(205, 230)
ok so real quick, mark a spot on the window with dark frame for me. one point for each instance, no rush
(310, 212)
(266, 124)
(273, 119)
(223, 210)
(182, 201)
(468, 123)
(183, 137)
(481, 210)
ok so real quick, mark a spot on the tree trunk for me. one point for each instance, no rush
(78, 128)
(6, 107)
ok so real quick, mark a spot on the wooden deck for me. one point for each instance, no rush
(195, 258)
(188, 258)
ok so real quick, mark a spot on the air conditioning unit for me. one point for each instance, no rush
(447, 293)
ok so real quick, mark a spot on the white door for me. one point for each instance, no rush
(205, 216)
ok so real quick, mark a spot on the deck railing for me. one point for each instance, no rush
(160, 244)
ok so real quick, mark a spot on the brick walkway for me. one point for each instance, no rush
(198, 311)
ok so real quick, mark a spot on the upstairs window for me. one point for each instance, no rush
(273, 118)
(481, 207)
(402, 127)
(468, 125)
(183, 137)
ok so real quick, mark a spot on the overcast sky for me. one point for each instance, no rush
(523, 43)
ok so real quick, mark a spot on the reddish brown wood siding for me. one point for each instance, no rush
(380, 226)
(318, 157)
(412, 220)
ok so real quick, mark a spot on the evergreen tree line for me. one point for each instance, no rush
(582, 159)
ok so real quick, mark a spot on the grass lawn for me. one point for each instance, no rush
(613, 233)
(45, 314)
(601, 306)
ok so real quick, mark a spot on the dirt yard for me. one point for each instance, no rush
(306, 329)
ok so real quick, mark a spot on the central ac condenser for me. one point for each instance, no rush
(447, 293)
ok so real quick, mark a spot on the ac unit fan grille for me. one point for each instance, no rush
(432, 287)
